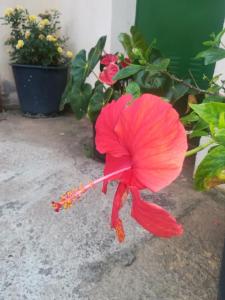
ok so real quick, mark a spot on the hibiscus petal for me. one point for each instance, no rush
(155, 138)
(154, 218)
(118, 201)
(106, 139)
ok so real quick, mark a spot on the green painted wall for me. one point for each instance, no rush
(180, 27)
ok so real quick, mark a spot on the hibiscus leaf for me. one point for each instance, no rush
(177, 91)
(128, 71)
(134, 89)
(95, 55)
(79, 99)
(190, 118)
(211, 171)
(219, 136)
(127, 43)
(211, 55)
(198, 133)
(209, 112)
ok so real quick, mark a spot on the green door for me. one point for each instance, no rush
(180, 27)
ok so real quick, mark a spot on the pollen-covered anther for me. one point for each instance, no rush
(56, 206)
(120, 231)
(67, 204)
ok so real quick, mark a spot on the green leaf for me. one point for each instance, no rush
(216, 98)
(211, 171)
(78, 68)
(219, 136)
(135, 41)
(209, 112)
(191, 118)
(96, 102)
(211, 55)
(177, 91)
(127, 72)
(66, 95)
(134, 89)
(79, 99)
(127, 43)
(198, 133)
(200, 125)
(158, 67)
(95, 55)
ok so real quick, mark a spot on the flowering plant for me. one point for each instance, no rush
(143, 151)
(35, 40)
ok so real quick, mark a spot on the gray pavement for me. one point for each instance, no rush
(74, 254)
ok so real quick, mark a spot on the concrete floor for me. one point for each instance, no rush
(74, 254)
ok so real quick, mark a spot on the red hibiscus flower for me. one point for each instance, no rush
(106, 76)
(145, 146)
(108, 59)
(126, 62)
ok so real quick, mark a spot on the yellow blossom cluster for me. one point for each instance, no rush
(32, 18)
(51, 38)
(43, 23)
(20, 44)
(69, 54)
(8, 12)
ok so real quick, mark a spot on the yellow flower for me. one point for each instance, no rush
(41, 36)
(43, 23)
(69, 54)
(60, 50)
(32, 18)
(20, 44)
(51, 38)
(27, 34)
(8, 12)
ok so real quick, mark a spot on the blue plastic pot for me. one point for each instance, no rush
(40, 88)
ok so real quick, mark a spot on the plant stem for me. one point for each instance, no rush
(199, 148)
(197, 89)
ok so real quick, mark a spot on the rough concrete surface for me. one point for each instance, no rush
(74, 254)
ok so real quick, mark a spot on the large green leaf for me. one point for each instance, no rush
(79, 99)
(127, 72)
(96, 102)
(209, 112)
(66, 95)
(95, 55)
(211, 171)
(212, 55)
(78, 68)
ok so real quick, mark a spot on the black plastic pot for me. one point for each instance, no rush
(40, 88)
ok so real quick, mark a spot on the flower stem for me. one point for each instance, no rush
(199, 148)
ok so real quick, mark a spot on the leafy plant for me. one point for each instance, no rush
(34, 39)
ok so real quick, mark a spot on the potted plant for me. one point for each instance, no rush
(38, 58)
